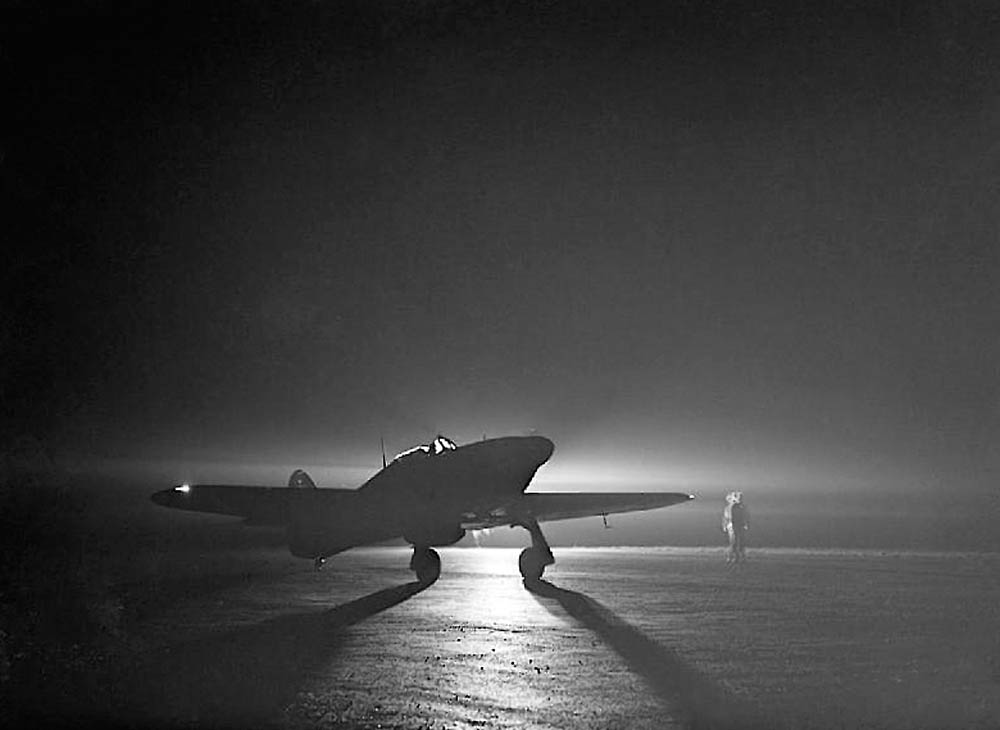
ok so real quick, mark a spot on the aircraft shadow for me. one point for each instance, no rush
(242, 677)
(700, 703)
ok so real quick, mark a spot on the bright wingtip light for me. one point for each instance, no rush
(183, 488)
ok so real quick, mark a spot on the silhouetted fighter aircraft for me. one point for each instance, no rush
(428, 495)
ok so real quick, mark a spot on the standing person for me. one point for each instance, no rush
(735, 523)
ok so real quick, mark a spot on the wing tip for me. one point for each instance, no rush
(171, 497)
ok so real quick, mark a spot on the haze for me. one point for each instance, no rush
(698, 248)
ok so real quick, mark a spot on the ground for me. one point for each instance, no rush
(639, 638)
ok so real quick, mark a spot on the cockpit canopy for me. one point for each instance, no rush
(439, 445)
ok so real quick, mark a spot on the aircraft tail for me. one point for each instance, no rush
(300, 480)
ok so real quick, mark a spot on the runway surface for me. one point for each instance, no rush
(636, 638)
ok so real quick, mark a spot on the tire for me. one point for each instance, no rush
(531, 565)
(427, 566)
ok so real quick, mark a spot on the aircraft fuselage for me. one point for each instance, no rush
(421, 496)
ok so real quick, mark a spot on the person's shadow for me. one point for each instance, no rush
(242, 677)
(698, 702)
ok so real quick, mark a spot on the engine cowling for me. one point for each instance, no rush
(436, 536)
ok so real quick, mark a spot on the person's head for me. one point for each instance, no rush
(734, 497)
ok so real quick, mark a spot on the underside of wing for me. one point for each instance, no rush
(549, 506)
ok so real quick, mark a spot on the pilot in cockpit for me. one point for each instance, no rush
(442, 444)
(438, 446)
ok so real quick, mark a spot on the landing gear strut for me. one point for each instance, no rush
(533, 560)
(426, 563)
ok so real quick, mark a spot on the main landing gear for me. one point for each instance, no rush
(533, 560)
(426, 563)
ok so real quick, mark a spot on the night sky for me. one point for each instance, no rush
(699, 245)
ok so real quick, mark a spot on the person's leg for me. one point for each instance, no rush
(741, 545)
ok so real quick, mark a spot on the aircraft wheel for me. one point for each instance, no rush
(426, 564)
(531, 564)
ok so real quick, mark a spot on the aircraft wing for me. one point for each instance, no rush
(272, 505)
(257, 505)
(549, 506)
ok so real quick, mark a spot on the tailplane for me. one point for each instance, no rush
(300, 480)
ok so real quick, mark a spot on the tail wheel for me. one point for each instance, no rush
(532, 564)
(426, 563)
